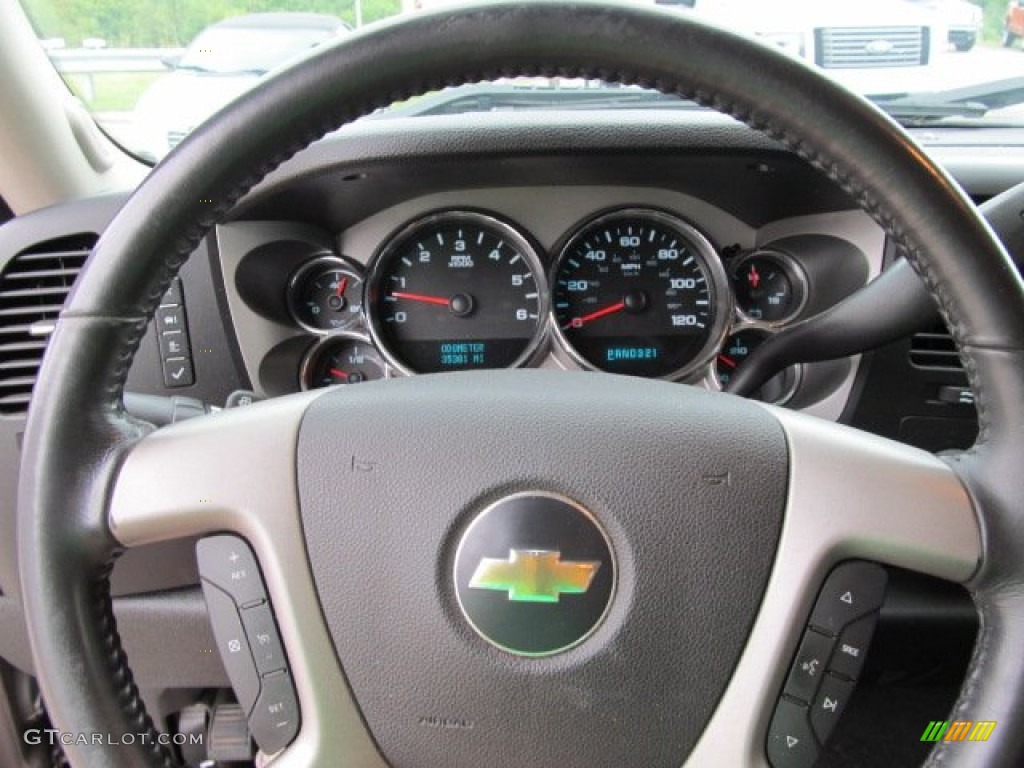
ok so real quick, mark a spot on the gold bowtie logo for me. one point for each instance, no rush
(534, 575)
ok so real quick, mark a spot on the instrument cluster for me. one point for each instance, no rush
(635, 291)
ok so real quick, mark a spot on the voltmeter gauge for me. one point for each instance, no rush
(737, 348)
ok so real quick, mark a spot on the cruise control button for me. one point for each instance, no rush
(275, 718)
(231, 642)
(228, 562)
(851, 591)
(809, 666)
(852, 647)
(790, 741)
(263, 638)
(829, 705)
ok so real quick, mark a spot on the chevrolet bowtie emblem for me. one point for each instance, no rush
(534, 575)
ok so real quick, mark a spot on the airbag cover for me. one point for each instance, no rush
(688, 486)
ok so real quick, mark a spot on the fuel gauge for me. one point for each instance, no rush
(344, 358)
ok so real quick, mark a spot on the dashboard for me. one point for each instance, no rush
(640, 281)
(555, 240)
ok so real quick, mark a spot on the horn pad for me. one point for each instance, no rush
(539, 567)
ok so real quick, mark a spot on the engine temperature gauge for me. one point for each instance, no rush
(345, 358)
(326, 294)
(770, 287)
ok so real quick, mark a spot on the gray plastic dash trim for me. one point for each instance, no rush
(235, 471)
(851, 495)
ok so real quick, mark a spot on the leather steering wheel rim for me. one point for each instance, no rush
(78, 433)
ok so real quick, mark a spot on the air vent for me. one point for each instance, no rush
(33, 288)
(934, 350)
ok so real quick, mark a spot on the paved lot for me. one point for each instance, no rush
(978, 65)
(949, 70)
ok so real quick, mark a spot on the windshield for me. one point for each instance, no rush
(151, 70)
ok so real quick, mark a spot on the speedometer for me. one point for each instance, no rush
(457, 290)
(640, 292)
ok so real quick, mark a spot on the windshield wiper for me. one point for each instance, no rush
(487, 97)
(908, 108)
(192, 67)
(970, 102)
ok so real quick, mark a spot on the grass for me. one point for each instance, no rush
(111, 91)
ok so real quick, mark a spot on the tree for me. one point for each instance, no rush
(171, 23)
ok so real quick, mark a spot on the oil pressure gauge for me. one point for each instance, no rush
(326, 294)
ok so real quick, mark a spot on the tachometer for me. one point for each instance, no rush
(454, 291)
(640, 292)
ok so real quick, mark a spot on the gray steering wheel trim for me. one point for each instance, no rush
(78, 435)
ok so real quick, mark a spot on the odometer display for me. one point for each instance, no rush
(456, 291)
(640, 292)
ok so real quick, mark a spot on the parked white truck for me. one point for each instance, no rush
(837, 34)
(874, 46)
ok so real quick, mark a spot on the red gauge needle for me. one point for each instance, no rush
(728, 361)
(338, 373)
(754, 277)
(420, 297)
(577, 322)
(342, 285)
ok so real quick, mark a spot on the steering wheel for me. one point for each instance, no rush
(703, 524)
